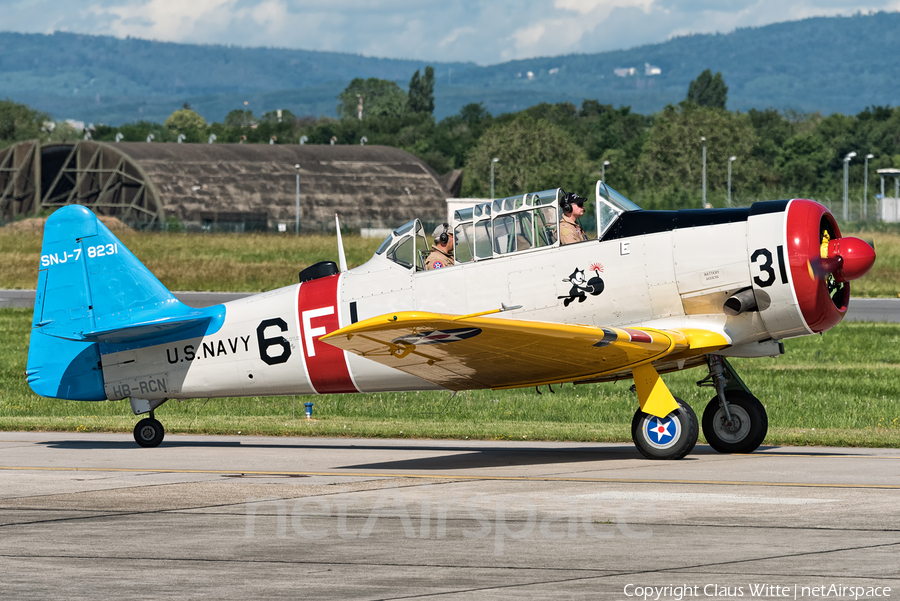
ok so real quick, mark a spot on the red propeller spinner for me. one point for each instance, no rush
(822, 263)
(845, 258)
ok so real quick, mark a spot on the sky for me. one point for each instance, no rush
(480, 31)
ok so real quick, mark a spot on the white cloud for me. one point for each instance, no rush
(586, 7)
(170, 20)
(456, 34)
(530, 36)
(271, 13)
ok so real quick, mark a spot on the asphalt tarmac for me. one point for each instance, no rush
(93, 516)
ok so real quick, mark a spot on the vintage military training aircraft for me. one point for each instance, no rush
(657, 291)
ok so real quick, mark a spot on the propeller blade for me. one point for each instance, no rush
(821, 268)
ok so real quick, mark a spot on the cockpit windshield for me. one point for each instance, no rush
(406, 246)
(397, 233)
(610, 204)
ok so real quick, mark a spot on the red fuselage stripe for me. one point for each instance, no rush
(319, 314)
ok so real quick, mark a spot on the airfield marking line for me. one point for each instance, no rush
(458, 477)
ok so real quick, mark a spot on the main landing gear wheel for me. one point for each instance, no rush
(747, 428)
(670, 437)
(149, 432)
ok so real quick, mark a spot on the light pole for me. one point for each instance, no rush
(730, 160)
(866, 188)
(703, 140)
(494, 160)
(847, 159)
(603, 170)
(297, 204)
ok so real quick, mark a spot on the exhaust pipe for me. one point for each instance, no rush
(740, 302)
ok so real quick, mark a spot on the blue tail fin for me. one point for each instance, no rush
(92, 291)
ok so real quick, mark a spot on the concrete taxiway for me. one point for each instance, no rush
(87, 516)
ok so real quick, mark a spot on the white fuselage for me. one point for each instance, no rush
(268, 343)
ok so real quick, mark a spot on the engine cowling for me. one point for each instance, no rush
(801, 267)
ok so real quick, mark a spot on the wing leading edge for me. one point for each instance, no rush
(465, 352)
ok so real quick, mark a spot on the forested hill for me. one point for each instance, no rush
(825, 64)
(111, 80)
(60, 62)
(821, 64)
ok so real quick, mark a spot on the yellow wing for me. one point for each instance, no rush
(465, 352)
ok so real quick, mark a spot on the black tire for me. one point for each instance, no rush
(149, 432)
(677, 439)
(746, 432)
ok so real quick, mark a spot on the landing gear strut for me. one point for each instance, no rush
(734, 421)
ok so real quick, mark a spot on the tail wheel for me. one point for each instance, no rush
(149, 432)
(670, 437)
(747, 428)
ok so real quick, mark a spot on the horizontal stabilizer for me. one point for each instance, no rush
(144, 330)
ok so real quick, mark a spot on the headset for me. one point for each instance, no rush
(567, 199)
(444, 237)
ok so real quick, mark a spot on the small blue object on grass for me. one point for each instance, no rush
(308, 410)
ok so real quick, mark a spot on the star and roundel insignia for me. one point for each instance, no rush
(661, 431)
(439, 336)
(438, 264)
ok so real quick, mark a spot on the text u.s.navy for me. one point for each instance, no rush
(213, 348)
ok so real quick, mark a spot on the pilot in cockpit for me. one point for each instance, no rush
(572, 207)
(442, 250)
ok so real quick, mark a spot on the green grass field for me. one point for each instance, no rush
(840, 389)
(254, 263)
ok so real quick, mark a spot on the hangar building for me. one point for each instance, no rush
(225, 187)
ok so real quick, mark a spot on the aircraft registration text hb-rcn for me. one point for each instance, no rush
(657, 291)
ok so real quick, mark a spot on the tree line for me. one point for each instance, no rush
(654, 159)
